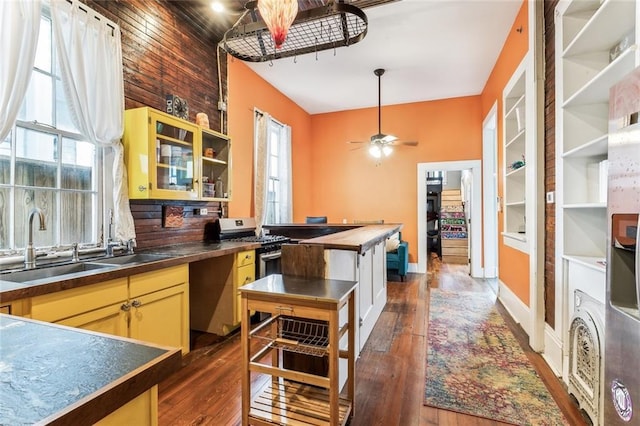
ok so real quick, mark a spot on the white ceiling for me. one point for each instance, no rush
(431, 49)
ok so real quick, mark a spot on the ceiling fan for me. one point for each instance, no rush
(381, 144)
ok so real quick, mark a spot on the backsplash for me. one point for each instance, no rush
(147, 216)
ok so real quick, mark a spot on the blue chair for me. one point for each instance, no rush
(316, 219)
(398, 256)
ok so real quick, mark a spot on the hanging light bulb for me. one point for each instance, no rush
(387, 150)
(375, 151)
(278, 15)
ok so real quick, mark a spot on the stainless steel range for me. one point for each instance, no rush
(244, 229)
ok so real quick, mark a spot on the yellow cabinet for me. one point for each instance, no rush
(17, 307)
(142, 410)
(160, 152)
(153, 307)
(215, 166)
(160, 307)
(173, 159)
(214, 295)
(98, 307)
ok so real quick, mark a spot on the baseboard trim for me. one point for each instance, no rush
(515, 307)
(552, 353)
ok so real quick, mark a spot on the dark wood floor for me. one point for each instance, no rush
(390, 371)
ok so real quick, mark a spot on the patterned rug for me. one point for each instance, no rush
(476, 366)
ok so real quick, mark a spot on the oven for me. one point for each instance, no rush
(267, 255)
(268, 263)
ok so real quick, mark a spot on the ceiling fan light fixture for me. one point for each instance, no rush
(389, 139)
(387, 150)
(375, 151)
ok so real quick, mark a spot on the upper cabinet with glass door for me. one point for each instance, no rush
(215, 166)
(161, 153)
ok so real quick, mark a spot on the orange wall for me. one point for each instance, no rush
(248, 91)
(513, 264)
(347, 183)
(340, 180)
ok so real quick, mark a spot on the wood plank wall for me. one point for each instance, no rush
(550, 161)
(163, 55)
(147, 216)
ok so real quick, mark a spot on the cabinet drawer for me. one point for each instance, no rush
(246, 257)
(157, 280)
(246, 274)
(64, 304)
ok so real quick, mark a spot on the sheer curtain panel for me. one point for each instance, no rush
(90, 56)
(260, 171)
(19, 29)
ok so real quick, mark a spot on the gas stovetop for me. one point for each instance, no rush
(244, 230)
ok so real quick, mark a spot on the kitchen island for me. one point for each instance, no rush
(50, 374)
(356, 253)
(304, 320)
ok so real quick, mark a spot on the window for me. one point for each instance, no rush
(433, 176)
(277, 169)
(45, 162)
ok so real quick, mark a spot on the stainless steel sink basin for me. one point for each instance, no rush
(59, 271)
(130, 259)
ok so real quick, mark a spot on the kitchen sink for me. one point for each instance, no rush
(58, 271)
(130, 259)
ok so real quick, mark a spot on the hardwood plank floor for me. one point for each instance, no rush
(389, 373)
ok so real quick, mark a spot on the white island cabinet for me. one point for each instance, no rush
(359, 255)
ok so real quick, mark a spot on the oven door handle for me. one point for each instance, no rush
(270, 256)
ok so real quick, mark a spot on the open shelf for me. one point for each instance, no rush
(287, 402)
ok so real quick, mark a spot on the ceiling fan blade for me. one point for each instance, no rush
(357, 142)
(408, 143)
(388, 139)
(357, 148)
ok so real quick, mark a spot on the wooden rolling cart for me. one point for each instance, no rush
(305, 317)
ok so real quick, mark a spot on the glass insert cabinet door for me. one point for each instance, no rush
(159, 153)
(174, 147)
(215, 165)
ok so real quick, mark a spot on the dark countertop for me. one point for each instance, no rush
(181, 254)
(51, 374)
(315, 289)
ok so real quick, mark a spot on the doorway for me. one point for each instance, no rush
(475, 213)
(490, 191)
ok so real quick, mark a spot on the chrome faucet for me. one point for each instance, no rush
(110, 243)
(30, 252)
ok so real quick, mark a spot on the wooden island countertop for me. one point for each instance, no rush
(358, 239)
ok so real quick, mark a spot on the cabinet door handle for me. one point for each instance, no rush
(142, 188)
(136, 303)
(125, 307)
(247, 279)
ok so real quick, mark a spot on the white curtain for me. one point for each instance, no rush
(263, 122)
(286, 206)
(19, 30)
(90, 55)
(260, 171)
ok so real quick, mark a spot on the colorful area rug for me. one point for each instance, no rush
(476, 366)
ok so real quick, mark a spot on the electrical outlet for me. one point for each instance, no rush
(222, 106)
(199, 212)
(203, 212)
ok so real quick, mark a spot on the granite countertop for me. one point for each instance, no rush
(178, 254)
(358, 239)
(316, 289)
(51, 374)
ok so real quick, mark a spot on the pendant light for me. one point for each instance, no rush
(278, 15)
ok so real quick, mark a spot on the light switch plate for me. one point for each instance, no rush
(550, 197)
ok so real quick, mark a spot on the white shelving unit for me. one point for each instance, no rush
(517, 140)
(586, 31)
